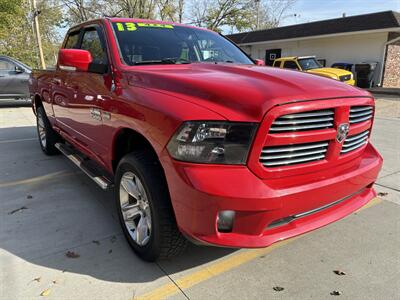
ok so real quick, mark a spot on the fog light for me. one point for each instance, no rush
(225, 220)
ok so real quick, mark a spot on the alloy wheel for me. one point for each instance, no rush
(41, 130)
(135, 208)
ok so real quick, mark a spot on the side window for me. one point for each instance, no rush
(72, 40)
(92, 43)
(290, 65)
(6, 66)
(277, 64)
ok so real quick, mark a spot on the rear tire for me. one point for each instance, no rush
(47, 136)
(145, 209)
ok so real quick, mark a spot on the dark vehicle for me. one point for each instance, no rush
(14, 76)
(342, 65)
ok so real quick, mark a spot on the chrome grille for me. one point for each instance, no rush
(360, 114)
(293, 154)
(317, 119)
(354, 142)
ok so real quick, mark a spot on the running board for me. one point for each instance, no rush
(84, 164)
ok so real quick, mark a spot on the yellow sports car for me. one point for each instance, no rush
(310, 65)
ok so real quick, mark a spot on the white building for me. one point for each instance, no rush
(365, 38)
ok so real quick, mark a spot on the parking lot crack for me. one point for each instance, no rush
(172, 280)
(387, 175)
(388, 187)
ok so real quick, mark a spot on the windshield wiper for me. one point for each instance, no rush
(164, 61)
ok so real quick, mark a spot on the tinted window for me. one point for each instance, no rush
(153, 43)
(72, 40)
(92, 43)
(6, 65)
(309, 63)
(290, 65)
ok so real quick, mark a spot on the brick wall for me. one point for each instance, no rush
(391, 76)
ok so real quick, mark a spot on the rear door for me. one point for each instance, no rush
(13, 84)
(5, 68)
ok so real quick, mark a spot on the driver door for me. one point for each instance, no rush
(90, 89)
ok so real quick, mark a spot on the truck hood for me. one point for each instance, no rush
(237, 92)
(329, 72)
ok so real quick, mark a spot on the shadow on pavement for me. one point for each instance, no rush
(14, 103)
(48, 207)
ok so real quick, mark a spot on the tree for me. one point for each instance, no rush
(78, 11)
(17, 37)
(270, 14)
(216, 14)
(170, 10)
(239, 15)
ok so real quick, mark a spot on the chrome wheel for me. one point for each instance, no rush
(135, 208)
(41, 130)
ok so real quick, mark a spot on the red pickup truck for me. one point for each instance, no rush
(199, 142)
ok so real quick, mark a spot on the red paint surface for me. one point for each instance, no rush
(154, 100)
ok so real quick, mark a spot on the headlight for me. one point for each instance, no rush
(212, 142)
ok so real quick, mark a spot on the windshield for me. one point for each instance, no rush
(309, 63)
(145, 43)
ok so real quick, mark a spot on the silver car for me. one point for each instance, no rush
(14, 76)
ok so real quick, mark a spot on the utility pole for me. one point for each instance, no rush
(258, 14)
(37, 31)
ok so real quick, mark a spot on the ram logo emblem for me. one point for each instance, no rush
(342, 132)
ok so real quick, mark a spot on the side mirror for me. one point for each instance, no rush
(259, 62)
(74, 59)
(18, 70)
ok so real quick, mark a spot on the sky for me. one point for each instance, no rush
(316, 10)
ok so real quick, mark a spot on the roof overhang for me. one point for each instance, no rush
(392, 29)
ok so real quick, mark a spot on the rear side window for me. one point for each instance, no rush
(92, 43)
(6, 65)
(277, 64)
(290, 65)
(72, 40)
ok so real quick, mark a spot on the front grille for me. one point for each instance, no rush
(317, 119)
(360, 114)
(345, 77)
(354, 142)
(293, 154)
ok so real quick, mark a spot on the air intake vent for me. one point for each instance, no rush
(360, 114)
(293, 154)
(310, 120)
(354, 142)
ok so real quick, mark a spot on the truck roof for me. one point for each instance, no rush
(135, 20)
(295, 57)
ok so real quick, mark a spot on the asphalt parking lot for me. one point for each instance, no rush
(59, 235)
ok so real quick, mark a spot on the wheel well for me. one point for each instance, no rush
(127, 141)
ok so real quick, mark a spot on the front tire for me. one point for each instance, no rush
(145, 209)
(47, 136)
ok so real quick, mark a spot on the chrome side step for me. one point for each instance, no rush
(83, 163)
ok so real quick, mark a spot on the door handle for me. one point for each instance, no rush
(56, 81)
(103, 98)
(89, 98)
